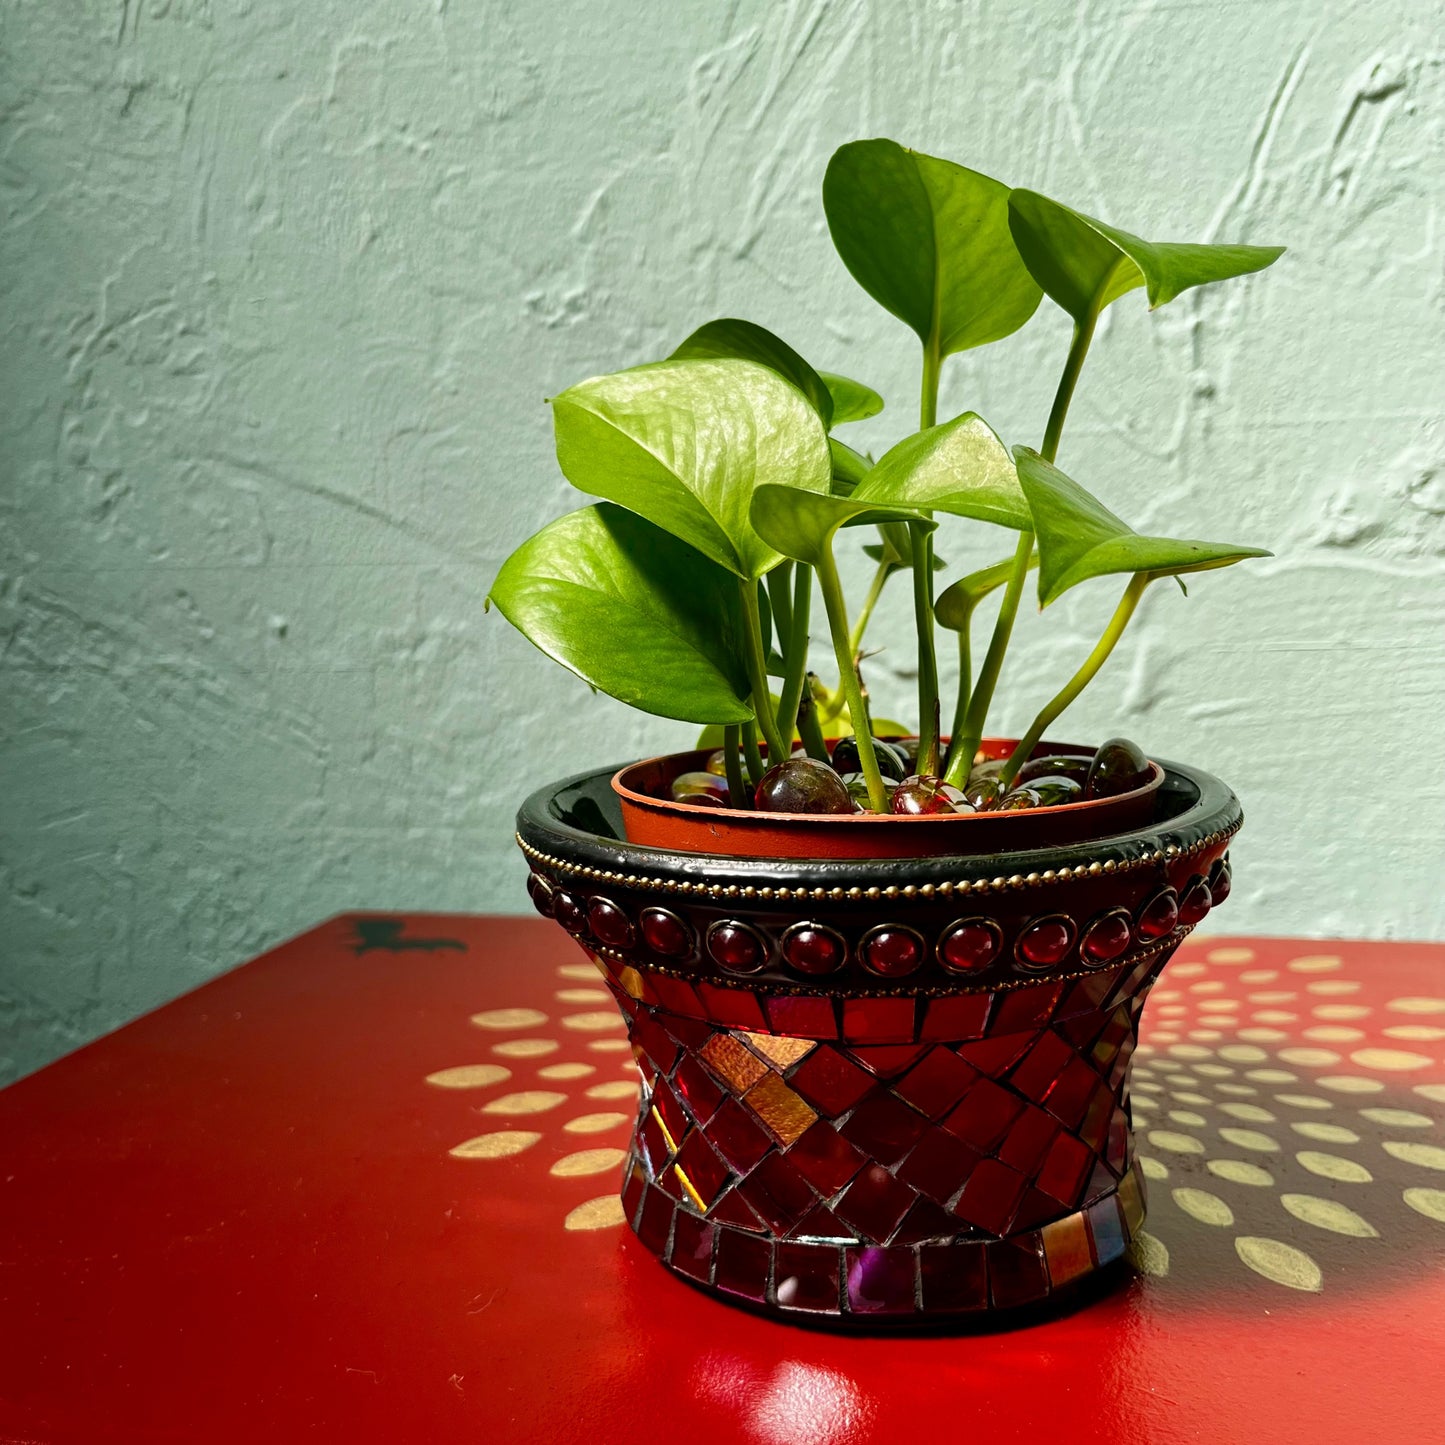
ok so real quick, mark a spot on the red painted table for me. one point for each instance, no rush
(362, 1189)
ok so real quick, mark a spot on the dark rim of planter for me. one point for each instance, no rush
(575, 827)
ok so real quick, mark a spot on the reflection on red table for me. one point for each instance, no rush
(363, 1188)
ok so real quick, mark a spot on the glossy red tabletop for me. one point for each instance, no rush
(362, 1189)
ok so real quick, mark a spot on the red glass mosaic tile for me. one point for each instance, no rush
(887, 1061)
(1017, 1274)
(881, 1281)
(960, 1016)
(655, 1222)
(675, 995)
(991, 1196)
(650, 1038)
(674, 1186)
(935, 1084)
(1065, 1168)
(874, 1203)
(884, 1127)
(699, 1093)
(994, 1055)
(1102, 1181)
(1072, 1091)
(820, 1223)
(699, 1161)
(1066, 1250)
(674, 1119)
(807, 1276)
(1106, 1230)
(829, 1081)
(983, 1115)
(925, 1220)
(653, 1144)
(732, 1208)
(692, 1244)
(691, 1033)
(1024, 1008)
(632, 1190)
(1093, 1129)
(804, 1016)
(777, 1193)
(1085, 995)
(953, 1278)
(1029, 1138)
(938, 1165)
(1036, 1072)
(735, 1134)
(879, 1020)
(1035, 1208)
(735, 1007)
(825, 1159)
(743, 1264)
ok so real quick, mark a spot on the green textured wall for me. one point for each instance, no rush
(284, 287)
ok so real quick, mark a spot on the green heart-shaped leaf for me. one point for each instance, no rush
(746, 341)
(849, 467)
(1085, 265)
(1080, 538)
(929, 241)
(954, 606)
(801, 524)
(960, 467)
(685, 443)
(633, 611)
(852, 401)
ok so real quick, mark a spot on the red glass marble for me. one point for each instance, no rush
(609, 924)
(813, 949)
(970, 945)
(891, 951)
(665, 932)
(1159, 917)
(922, 795)
(1045, 942)
(1106, 937)
(540, 892)
(569, 912)
(1219, 881)
(1195, 903)
(735, 947)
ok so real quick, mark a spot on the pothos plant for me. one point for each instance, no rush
(691, 583)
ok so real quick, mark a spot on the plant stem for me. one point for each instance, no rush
(758, 672)
(796, 654)
(961, 754)
(965, 742)
(857, 708)
(875, 591)
(1081, 679)
(927, 657)
(928, 392)
(965, 683)
(779, 583)
(739, 794)
(751, 754)
(809, 728)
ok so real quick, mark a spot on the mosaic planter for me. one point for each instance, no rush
(882, 1091)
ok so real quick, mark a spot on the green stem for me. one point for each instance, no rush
(739, 794)
(751, 754)
(758, 671)
(928, 392)
(964, 747)
(875, 591)
(857, 709)
(779, 585)
(796, 656)
(809, 728)
(965, 683)
(927, 657)
(1081, 679)
(965, 742)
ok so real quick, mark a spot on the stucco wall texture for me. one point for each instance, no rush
(285, 287)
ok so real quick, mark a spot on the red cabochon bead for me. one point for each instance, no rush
(892, 951)
(1220, 878)
(735, 947)
(1197, 901)
(541, 894)
(1045, 943)
(1160, 915)
(812, 949)
(1106, 937)
(970, 945)
(568, 911)
(665, 932)
(609, 924)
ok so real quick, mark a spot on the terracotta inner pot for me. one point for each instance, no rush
(651, 817)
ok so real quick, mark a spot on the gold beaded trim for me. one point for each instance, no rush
(759, 983)
(909, 891)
